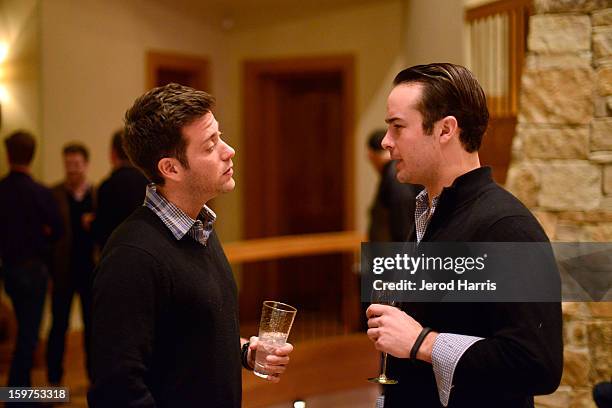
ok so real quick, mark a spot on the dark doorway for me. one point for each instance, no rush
(164, 68)
(298, 178)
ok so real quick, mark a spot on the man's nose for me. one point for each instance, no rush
(228, 151)
(387, 142)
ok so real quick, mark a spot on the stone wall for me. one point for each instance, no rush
(562, 164)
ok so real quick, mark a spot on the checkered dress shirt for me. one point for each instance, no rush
(179, 223)
(423, 213)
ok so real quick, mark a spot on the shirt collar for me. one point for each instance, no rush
(423, 213)
(177, 221)
(463, 189)
(422, 197)
(422, 200)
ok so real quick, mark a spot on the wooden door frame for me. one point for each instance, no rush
(254, 72)
(196, 64)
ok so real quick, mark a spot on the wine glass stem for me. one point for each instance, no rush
(384, 367)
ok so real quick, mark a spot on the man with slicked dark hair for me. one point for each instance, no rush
(464, 355)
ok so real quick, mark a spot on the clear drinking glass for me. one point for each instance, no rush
(274, 327)
(383, 297)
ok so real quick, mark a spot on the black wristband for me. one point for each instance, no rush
(244, 356)
(418, 342)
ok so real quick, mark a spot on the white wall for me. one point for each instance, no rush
(433, 31)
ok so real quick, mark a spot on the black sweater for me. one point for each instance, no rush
(165, 321)
(522, 354)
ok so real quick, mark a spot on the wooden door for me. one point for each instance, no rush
(298, 177)
(164, 68)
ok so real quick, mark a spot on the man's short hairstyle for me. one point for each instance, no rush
(153, 126)
(117, 145)
(20, 146)
(76, 148)
(375, 140)
(450, 90)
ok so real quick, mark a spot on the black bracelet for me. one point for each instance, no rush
(244, 356)
(418, 342)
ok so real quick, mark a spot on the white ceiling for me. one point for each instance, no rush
(242, 14)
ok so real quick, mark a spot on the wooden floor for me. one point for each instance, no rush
(327, 372)
(75, 378)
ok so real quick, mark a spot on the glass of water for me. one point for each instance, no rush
(274, 327)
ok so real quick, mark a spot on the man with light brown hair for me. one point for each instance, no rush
(165, 309)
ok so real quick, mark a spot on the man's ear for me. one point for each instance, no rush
(448, 128)
(170, 168)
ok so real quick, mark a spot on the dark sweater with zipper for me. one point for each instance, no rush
(522, 351)
(165, 321)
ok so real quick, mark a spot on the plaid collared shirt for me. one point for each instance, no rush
(423, 213)
(179, 223)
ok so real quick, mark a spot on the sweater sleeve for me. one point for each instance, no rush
(126, 300)
(525, 352)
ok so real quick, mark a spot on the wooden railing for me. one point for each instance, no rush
(293, 245)
(311, 325)
(497, 38)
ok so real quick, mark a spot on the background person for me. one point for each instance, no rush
(29, 223)
(119, 194)
(392, 212)
(73, 257)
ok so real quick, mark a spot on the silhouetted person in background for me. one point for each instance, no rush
(379, 229)
(392, 212)
(29, 222)
(120, 194)
(73, 260)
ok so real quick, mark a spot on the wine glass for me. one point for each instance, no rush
(383, 297)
